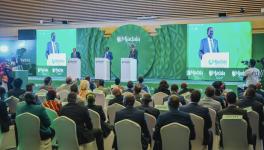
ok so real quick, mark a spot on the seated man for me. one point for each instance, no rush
(174, 91)
(208, 100)
(203, 112)
(118, 97)
(80, 115)
(146, 99)
(135, 115)
(173, 116)
(233, 109)
(16, 91)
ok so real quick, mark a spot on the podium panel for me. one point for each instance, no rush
(215, 60)
(102, 68)
(56, 59)
(74, 68)
(128, 69)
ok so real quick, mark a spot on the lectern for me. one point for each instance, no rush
(102, 68)
(74, 68)
(128, 69)
(215, 60)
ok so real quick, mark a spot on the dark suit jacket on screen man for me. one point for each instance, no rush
(133, 52)
(108, 54)
(208, 44)
(52, 46)
(75, 54)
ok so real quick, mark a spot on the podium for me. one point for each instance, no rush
(215, 60)
(128, 69)
(74, 68)
(102, 68)
(57, 59)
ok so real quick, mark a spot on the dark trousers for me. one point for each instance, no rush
(98, 134)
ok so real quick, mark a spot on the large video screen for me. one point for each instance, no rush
(19, 54)
(54, 48)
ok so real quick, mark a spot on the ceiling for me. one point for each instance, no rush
(15, 13)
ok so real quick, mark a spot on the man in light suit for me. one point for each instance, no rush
(52, 46)
(209, 44)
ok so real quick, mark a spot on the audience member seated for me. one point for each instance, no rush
(163, 87)
(250, 103)
(146, 99)
(92, 85)
(16, 91)
(100, 86)
(137, 92)
(203, 112)
(84, 89)
(130, 87)
(208, 101)
(258, 97)
(74, 88)
(47, 84)
(4, 118)
(51, 101)
(66, 86)
(233, 109)
(29, 89)
(135, 115)
(259, 89)
(184, 88)
(218, 96)
(173, 116)
(117, 84)
(118, 97)
(80, 115)
(106, 128)
(174, 91)
(30, 106)
(140, 82)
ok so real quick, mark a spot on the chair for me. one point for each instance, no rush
(125, 142)
(96, 121)
(64, 127)
(158, 98)
(151, 122)
(41, 95)
(216, 138)
(234, 133)
(254, 123)
(187, 96)
(63, 94)
(137, 103)
(197, 143)
(8, 139)
(175, 136)
(111, 111)
(12, 104)
(28, 127)
(100, 99)
(51, 114)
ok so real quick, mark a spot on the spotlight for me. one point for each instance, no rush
(3, 48)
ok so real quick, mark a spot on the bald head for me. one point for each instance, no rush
(174, 102)
(129, 100)
(209, 91)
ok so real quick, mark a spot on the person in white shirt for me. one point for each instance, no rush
(252, 74)
(52, 46)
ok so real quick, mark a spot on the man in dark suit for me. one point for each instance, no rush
(75, 54)
(174, 91)
(135, 115)
(133, 52)
(80, 115)
(4, 119)
(146, 99)
(16, 91)
(232, 109)
(118, 97)
(52, 46)
(173, 116)
(203, 112)
(258, 97)
(108, 54)
(251, 103)
(209, 44)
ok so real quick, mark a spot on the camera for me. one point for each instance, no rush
(245, 62)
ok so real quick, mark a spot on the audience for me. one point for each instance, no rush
(146, 99)
(142, 85)
(92, 85)
(203, 112)
(130, 87)
(74, 89)
(184, 88)
(137, 92)
(174, 91)
(173, 116)
(106, 128)
(117, 84)
(29, 89)
(47, 84)
(66, 86)
(2, 93)
(84, 89)
(208, 100)
(118, 97)
(16, 91)
(30, 106)
(51, 101)
(4, 118)
(163, 87)
(100, 87)
(258, 97)
(135, 115)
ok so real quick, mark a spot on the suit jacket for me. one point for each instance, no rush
(220, 99)
(4, 119)
(133, 54)
(78, 55)
(80, 115)
(137, 116)
(108, 55)
(234, 110)
(39, 111)
(210, 103)
(258, 97)
(257, 107)
(182, 100)
(173, 116)
(202, 112)
(49, 49)
(99, 109)
(204, 47)
(117, 99)
(150, 110)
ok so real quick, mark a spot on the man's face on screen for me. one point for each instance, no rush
(210, 32)
(53, 37)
